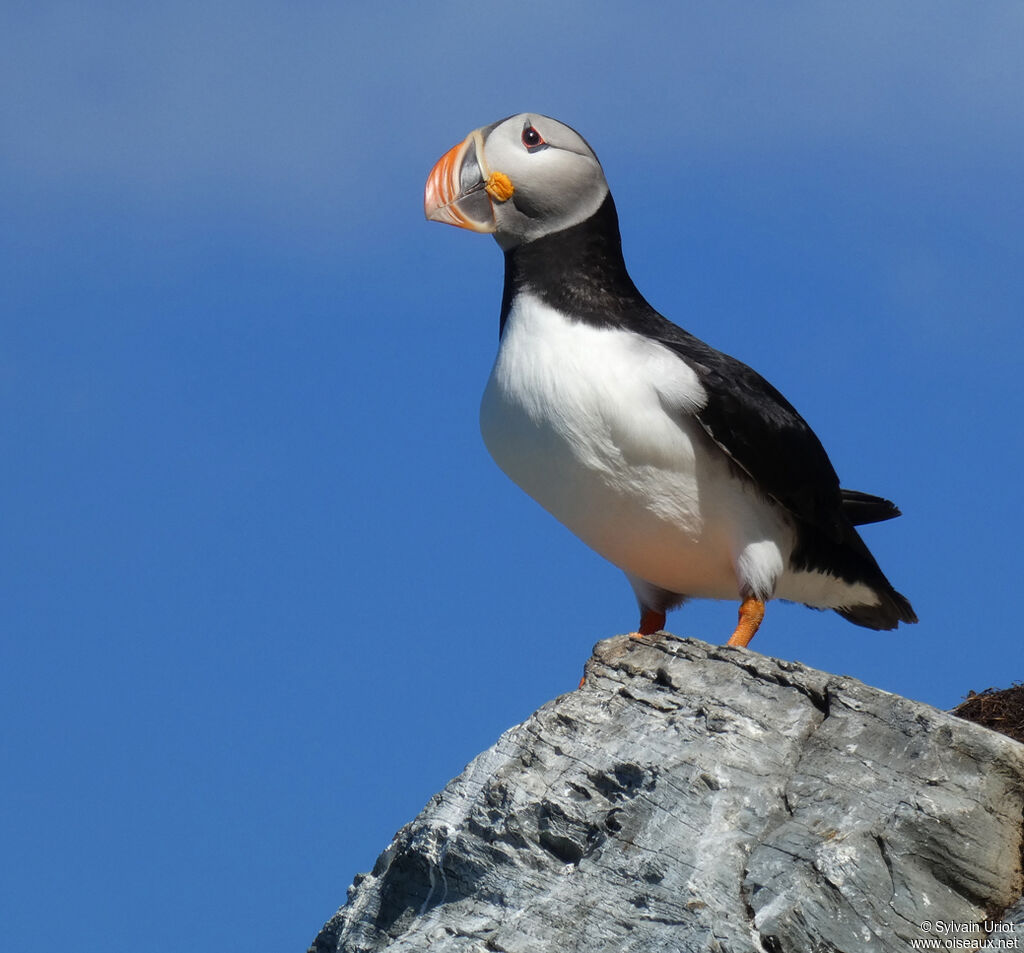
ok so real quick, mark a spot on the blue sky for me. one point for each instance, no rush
(263, 591)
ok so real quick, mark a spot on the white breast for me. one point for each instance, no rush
(595, 424)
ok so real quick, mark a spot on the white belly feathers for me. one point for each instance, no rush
(595, 424)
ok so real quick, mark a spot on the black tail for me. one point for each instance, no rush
(849, 559)
(892, 609)
(861, 508)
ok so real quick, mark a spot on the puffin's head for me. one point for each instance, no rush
(520, 178)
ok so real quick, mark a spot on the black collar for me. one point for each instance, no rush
(579, 271)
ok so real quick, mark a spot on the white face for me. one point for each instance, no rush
(521, 178)
(557, 179)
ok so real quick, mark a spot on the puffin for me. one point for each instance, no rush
(676, 462)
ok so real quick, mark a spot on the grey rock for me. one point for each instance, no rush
(699, 798)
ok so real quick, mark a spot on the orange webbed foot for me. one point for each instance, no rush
(651, 621)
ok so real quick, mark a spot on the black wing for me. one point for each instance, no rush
(763, 435)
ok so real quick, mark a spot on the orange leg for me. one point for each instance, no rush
(650, 622)
(751, 614)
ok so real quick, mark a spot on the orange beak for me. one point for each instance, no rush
(456, 191)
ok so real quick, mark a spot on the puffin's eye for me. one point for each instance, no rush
(531, 138)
